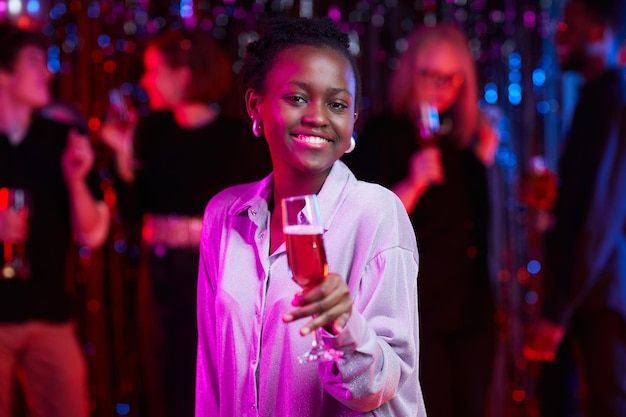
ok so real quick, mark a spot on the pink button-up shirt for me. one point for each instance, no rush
(247, 356)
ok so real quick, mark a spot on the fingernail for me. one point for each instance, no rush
(305, 331)
(287, 317)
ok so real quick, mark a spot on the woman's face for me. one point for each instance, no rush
(438, 76)
(307, 109)
(165, 85)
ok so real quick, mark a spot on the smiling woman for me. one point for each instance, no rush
(302, 94)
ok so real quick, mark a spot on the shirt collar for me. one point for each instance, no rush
(330, 196)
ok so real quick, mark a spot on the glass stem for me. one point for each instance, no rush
(314, 343)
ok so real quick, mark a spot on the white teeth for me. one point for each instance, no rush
(312, 139)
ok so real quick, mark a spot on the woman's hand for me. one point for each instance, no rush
(329, 302)
(119, 138)
(426, 168)
(78, 158)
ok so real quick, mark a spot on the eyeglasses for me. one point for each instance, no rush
(440, 79)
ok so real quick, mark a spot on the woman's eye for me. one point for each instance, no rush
(296, 99)
(335, 105)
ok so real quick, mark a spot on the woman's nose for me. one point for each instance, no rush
(316, 113)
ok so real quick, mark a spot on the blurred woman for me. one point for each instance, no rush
(432, 148)
(168, 168)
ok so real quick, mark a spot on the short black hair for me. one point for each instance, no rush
(13, 40)
(284, 32)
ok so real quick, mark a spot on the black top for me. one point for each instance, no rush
(586, 250)
(35, 165)
(450, 220)
(180, 169)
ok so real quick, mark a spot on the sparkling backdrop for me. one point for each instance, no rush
(97, 45)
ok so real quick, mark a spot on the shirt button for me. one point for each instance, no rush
(253, 212)
(262, 235)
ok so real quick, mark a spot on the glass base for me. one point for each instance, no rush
(320, 353)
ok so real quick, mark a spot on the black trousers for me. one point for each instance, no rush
(168, 329)
(456, 370)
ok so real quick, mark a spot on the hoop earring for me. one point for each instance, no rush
(257, 128)
(352, 145)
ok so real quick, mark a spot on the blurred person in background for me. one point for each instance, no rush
(168, 166)
(583, 328)
(432, 147)
(53, 167)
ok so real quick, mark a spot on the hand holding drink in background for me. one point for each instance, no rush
(303, 230)
(118, 131)
(120, 110)
(14, 208)
(428, 123)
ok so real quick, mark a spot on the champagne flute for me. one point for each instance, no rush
(15, 264)
(303, 230)
(428, 123)
(119, 111)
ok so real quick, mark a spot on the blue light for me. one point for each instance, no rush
(515, 76)
(515, 93)
(57, 11)
(543, 107)
(120, 45)
(515, 61)
(71, 28)
(54, 63)
(531, 297)
(93, 9)
(122, 409)
(491, 96)
(54, 51)
(186, 9)
(103, 40)
(491, 93)
(54, 66)
(120, 246)
(32, 6)
(533, 267)
(539, 77)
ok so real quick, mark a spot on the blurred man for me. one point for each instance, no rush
(585, 305)
(53, 165)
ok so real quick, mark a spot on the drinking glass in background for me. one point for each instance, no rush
(120, 109)
(303, 230)
(14, 261)
(428, 123)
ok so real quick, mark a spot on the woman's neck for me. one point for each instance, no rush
(194, 115)
(288, 184)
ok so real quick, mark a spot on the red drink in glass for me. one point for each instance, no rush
(306, 255)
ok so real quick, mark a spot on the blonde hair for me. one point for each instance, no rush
(465, 108)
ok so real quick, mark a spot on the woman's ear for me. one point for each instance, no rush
(253, 103)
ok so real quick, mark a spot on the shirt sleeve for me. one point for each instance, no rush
(380, 341)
